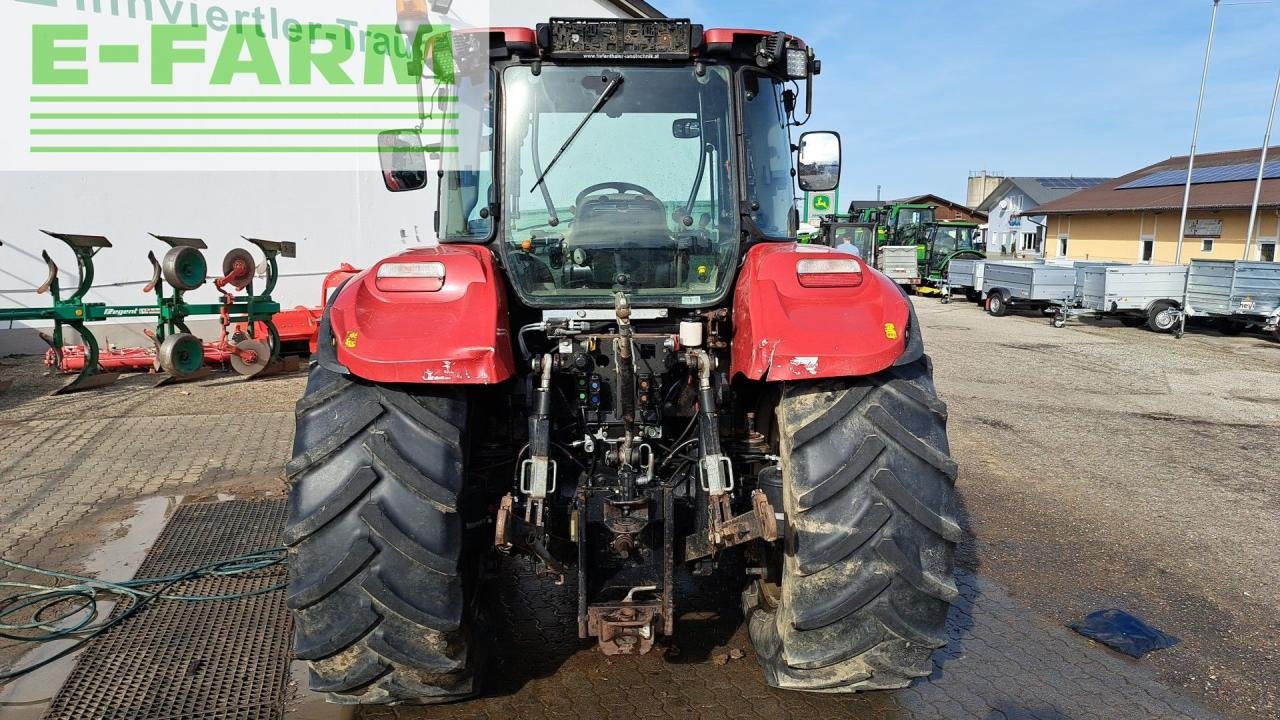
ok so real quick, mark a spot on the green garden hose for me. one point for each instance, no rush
(57, 612)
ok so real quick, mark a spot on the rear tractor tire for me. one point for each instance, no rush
(861, 598)
(381, 589)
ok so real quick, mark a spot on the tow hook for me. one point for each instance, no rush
(759, 523)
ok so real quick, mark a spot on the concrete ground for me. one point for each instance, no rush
(1101, 466)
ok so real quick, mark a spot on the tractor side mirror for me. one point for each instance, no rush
(819, 161)
(686, 128)
(404, 162)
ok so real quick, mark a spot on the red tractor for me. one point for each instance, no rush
(620, 363)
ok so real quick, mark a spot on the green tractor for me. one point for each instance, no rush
(936, 242)
(899, 224)
(943, 242)
(899, 234)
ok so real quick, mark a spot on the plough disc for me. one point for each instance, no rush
(238, 268)
(250, 357)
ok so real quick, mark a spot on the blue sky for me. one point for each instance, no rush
(923, 91)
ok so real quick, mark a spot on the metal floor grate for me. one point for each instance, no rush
(189, 661)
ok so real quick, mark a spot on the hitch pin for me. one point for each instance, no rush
(631, 594)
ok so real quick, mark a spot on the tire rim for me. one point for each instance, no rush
(1166, 319)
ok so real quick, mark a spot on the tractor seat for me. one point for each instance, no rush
(625, 234)
(601, 217)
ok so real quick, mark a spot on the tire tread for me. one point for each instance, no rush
(867, 577)
(366, 458)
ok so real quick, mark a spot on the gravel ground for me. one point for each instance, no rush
(1106, 466)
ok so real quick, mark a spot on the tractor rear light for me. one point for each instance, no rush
(410, 277)
(832, 273)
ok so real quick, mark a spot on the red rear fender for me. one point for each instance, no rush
(458, 334)
(786, 331)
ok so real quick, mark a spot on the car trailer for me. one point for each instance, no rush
(1138, 295)
(1237, 293)
(900, 264)
(1027, 284)
(964, 274)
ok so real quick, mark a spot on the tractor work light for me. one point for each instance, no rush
(583, 39)
(410, 277)
(797, 63)
(833, 273)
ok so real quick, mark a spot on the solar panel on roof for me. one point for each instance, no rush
(1204, 175)
(1067, 183)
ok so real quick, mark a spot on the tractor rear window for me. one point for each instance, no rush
(915, 216)
(619, 178)
(856, 239)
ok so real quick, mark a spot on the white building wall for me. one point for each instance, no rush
(333, 216)
(1005, 228)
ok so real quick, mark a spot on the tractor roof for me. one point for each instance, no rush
(738, 43)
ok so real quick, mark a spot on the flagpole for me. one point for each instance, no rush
(1195, 134)
(1262, 166)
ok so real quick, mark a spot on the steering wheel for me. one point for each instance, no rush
(620, 186)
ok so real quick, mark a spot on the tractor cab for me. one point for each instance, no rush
(636, 157)
(945, 241)
(856, 238)
(898, 223)
(907, 223)
(904, 223)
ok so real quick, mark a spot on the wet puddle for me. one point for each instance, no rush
(308, 705)
(117, 559)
